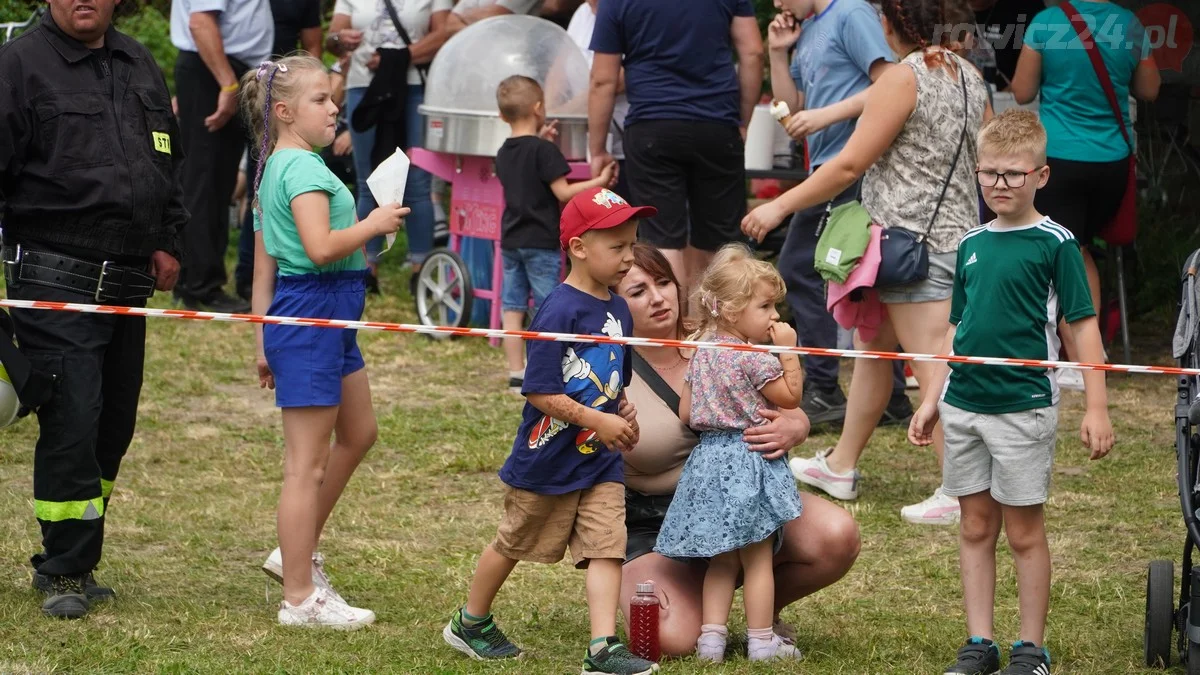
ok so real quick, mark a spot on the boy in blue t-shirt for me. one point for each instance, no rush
(1016, 278)
(565, 483)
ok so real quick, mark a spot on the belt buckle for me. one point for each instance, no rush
(100, 281)
(12, 268)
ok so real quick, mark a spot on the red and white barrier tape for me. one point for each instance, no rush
(565, 337)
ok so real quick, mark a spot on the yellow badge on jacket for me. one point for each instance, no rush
(162, 142)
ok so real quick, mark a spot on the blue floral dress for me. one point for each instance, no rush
(729, 496)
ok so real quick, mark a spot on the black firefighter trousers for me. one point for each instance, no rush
(87, 425)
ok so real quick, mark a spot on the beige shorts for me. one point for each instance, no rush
(540, 528)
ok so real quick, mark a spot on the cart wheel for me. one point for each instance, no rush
(1193, 660)
(444, 291)
(1160, 612)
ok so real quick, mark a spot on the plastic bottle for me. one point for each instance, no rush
(643, 622)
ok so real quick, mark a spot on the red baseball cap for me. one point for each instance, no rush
(597, 209)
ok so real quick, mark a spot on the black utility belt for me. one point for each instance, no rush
(104, 282)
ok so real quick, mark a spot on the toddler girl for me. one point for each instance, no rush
(309, 263)
(731, 503)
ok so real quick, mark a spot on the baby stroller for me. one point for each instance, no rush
(1162, 615)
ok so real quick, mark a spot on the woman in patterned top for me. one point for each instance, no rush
(908, 146)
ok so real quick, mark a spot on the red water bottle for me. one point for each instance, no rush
(643, 622)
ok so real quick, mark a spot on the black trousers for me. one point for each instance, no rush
(87, 425)
(210, 169)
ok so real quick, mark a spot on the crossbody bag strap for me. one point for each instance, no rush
(395, 16)
(962, 77)
(657, 384)
(1089, 45)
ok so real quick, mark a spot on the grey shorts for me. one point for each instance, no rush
(939, 285)
(1010, 454)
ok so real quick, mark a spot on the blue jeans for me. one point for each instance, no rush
(528, 271)
(418, 227)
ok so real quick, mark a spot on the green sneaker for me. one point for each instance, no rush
(483, 641)
(615, 658)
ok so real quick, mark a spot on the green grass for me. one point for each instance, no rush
(193, 517)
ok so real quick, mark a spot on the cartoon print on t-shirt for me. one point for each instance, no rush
(591, 376)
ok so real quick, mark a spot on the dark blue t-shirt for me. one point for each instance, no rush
(549, 456)
(678, 57)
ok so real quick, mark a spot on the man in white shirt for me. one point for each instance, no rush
(218, 41)
(583, 22)
(468, 12)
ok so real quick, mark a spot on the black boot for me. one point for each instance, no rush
(94, 591)
(65, 597)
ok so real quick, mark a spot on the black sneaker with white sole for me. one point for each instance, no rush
(898, 413)
(979, 656)
(1028, 659)
(66, 597)
(824, 407)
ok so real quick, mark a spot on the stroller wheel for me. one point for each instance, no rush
(1160, 614)
(1193, 660)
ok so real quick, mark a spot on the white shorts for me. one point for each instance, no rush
(1011, 454)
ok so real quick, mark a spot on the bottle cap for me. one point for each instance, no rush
(646, 587)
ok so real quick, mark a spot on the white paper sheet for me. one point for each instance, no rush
(387, 183)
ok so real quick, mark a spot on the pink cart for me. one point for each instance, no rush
(444, 289)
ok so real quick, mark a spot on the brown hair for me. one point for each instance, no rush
(923, 23)
(1014, 131)
(728, 286)
(650, 259)
(516, 97)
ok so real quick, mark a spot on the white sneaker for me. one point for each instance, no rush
(273, 568)
(1069, 379)
(775, 649)
(937, 510)
(816, 472)
(322, 610)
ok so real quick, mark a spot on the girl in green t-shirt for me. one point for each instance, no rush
(308, 262)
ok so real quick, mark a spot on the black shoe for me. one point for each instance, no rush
(978, 657)
(824, 407)
(898, 412)
(441, 234)
(515, 384)
(66, 598)
(94, 591)
(372, 284)
(1028, 659)
(223, 302)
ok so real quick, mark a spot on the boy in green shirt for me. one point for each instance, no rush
(1016, 277)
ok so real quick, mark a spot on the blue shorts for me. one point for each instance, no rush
(529, 270)
(308, 362)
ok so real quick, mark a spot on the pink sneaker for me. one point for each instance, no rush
(816, 472)
(937, 510)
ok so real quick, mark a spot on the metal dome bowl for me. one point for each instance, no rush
(461, 115)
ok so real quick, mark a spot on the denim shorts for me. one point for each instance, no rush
(938, 285)
(308, 362)
(529, 271)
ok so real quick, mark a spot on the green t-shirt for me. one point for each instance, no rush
(1078, 118)
(1011, 287)
(290, 173)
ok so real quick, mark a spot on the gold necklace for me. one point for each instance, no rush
(663, 369)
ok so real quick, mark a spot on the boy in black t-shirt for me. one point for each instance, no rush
(533, 173)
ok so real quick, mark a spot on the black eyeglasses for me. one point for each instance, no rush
(1012, 179)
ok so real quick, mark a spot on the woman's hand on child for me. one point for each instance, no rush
(758, 223)
(266, 379)
(782, 334)
(920, 428)
(1097, 433)
(388, 218)
(779, 434)
(615, 432)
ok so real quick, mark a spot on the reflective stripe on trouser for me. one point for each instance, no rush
(54, 512)
(85, 428)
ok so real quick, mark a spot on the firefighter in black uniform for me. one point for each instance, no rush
(92, 211)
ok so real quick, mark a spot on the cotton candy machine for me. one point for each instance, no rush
(463, 132)
(461, 116)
